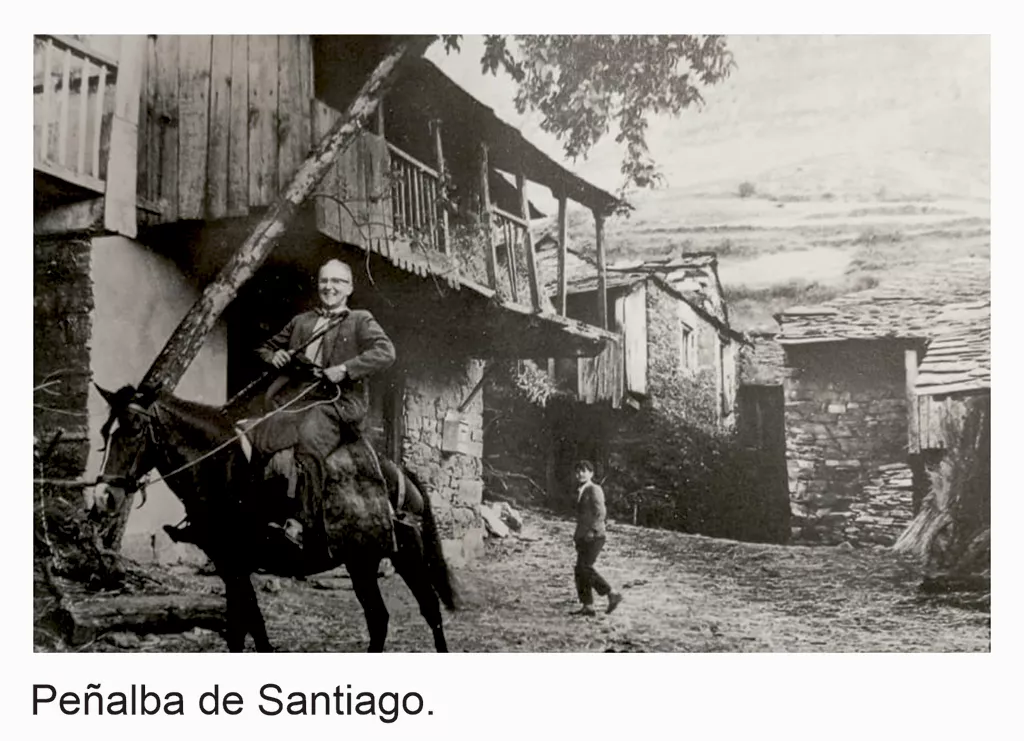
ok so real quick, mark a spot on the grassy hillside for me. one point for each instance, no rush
(857, 154)
(776, 253)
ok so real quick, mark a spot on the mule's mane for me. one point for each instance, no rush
(210, 421)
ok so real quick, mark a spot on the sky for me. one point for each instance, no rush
(831, 111)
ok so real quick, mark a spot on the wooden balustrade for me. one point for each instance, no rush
(73, 98)
(509, 237)
(415, 197)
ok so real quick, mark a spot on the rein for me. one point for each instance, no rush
(140, 484)
(144, 481)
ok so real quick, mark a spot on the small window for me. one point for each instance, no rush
(687, 347)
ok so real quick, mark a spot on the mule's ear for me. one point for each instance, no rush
(108, 396)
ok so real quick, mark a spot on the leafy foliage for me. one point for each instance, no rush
(585, 85)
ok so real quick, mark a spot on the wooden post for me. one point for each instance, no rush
(65, 103)
(47, 101)
(531, 258)
(443, 191)
(563, 283)
(913, 423)
(379, 121)
(602, 271)
(485, 218)
(123, 159)
(188, 337)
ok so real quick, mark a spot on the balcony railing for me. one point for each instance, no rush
(415, 189)
(509, 235)
(73, 91)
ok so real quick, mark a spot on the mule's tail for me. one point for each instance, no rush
(440, 574)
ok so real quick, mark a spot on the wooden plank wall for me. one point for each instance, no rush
(358, 180)
(224, 122)
(932, 414)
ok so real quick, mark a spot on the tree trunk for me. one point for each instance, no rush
(182, 347)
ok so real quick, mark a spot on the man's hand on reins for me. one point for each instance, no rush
(335, 374)
(281, 358)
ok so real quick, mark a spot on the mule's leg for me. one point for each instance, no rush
(364, 583)
(410, 563)
(237, 609)
(257, 626)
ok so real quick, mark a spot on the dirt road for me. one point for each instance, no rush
(683, 593)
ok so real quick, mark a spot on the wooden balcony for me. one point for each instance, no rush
(73, 101)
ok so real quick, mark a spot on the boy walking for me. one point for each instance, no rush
(589, 538)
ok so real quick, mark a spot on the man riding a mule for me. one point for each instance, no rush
(357, 508)
(319, 399)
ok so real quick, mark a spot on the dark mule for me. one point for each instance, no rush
(229, 508)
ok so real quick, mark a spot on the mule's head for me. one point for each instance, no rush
(128, 449)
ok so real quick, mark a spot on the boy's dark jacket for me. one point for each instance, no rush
(590, 513)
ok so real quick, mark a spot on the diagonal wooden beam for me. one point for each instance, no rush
(187, 339)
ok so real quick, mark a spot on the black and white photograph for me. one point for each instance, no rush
(511, 343)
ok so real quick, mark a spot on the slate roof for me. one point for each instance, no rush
(959, 357)
(947, 305)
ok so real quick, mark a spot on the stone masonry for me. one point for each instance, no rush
(846, 442)
(62, 327)
(455, 480)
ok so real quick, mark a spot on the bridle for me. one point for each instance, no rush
(127, 481)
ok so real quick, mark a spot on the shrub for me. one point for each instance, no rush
(747, 189)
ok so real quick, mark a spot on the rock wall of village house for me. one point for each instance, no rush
(846, 442)
(62, 327)
(763, 361)
(454, 480)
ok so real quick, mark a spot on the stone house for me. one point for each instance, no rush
(870, 376)
(676, 352)
(156, 155)
(673, 321)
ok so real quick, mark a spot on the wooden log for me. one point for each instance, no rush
(563, 287)
(602, 271)
(82, 620)
(220, 128)
(183, 345)
(531, 258)
(238, 136)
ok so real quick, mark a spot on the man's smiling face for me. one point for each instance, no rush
(335, 284)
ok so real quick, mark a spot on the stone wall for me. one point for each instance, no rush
(846, 425)
(762, 362)
(886, 508)
(455, 480)
(62, 327)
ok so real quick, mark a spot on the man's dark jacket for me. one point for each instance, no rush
(358, 342)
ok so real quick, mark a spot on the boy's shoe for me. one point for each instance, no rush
(586, 611)
(614, 599)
